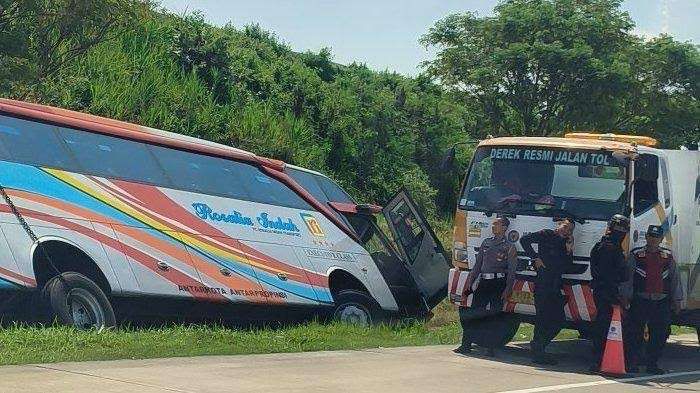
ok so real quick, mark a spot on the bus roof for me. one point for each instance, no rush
(132, 131)
(567, 143)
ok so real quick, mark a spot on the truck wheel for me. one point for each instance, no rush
(356, 308)
(77, 301)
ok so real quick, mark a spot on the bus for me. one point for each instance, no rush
(102, 219)
(587, 177)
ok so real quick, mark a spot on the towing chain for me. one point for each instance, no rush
(19, 216)
(27, 228)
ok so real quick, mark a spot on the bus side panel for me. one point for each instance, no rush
(294, 279)
(77, 233)
(353, 260)
(10, 276)
(117, 258)
(315, 260)
(161, 265)
(225, 268)
(367, 271)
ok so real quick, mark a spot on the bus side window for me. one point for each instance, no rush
(112, 157)
(265, 189)
(200, 173)
(33, 143)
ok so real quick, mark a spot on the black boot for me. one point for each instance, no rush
(655, 370)
(463, 349)
(543, 358)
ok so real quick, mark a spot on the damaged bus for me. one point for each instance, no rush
(101, 219)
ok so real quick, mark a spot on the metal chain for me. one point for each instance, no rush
(17, 214)
(28, 229)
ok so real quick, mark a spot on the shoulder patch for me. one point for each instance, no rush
(665, 254)
(640, 253)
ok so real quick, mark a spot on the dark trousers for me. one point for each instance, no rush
(656, 315)
(488, 291)
(549, 319)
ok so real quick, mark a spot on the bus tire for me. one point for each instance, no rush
(356, 308)
(77, 301)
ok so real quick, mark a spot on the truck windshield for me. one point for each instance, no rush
(546, 181)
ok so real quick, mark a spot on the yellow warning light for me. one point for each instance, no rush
(639, 140)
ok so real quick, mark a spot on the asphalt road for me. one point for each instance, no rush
(404, 370)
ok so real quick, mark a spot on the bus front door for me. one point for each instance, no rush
(419, 247)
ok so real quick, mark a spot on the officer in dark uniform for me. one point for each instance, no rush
(609, 271)
(554, 256)
(654, 291)
(495, 268)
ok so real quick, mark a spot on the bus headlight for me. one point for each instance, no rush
(459, 252)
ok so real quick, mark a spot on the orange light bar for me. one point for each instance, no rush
(639, 140)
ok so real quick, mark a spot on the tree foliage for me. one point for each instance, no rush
(539, 67)
(39, 37)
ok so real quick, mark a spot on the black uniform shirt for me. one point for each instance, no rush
(608, 268)
(551, 248)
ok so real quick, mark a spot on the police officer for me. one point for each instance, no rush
(495, 268)
(654, 290)
(609, 271)
(554, 255)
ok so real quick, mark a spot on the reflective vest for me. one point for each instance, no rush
(652, 274)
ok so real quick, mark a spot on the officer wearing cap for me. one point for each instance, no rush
(495, 268)
(609, 271)
(654, 290)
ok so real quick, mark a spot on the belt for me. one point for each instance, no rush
(652, 296)
(492, 276)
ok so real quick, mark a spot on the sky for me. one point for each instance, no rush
(384, 34)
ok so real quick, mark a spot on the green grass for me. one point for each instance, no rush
(21, 344)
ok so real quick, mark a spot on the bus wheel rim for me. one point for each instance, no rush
(354, 314)
(85, 310)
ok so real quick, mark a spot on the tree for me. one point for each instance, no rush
(42, 36)
(538, 66)
(665, 103)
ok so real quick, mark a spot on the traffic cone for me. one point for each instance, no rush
(614, 355)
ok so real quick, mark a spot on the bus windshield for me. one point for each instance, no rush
(529, 180)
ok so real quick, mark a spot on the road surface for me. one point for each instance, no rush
(410, 369)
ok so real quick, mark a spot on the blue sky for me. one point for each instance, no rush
(384, 33)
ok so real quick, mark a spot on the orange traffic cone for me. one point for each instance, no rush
(614, 355)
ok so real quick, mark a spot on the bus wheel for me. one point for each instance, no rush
(77, 301)
(356, 308)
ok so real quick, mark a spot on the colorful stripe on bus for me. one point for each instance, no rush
(145, 217)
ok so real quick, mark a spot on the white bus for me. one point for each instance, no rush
(101, 219)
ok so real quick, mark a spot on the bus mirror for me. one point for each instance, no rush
(448, 159)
